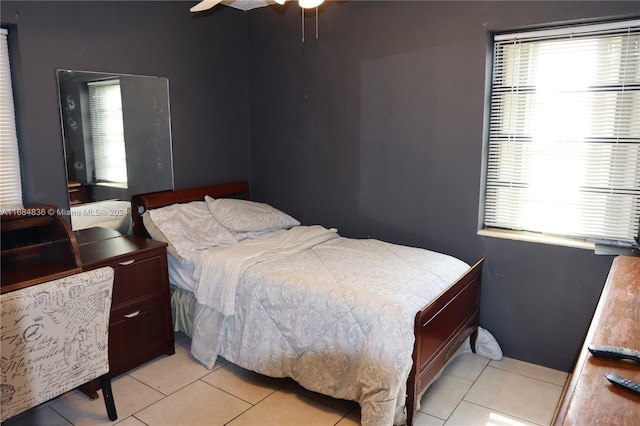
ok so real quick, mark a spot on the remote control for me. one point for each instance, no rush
(614, 352)
(624, 383)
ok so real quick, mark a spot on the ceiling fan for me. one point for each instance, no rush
(245, 5)
(252, 4)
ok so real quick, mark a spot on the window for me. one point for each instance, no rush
(10, 180)
(564, 134)
(107, 132)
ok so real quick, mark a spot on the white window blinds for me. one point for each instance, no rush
(107, 132)
(10, 180)
(564, 132)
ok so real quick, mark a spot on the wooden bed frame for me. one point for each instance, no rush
(440, 328)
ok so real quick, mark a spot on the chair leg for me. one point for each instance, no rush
(105, 383)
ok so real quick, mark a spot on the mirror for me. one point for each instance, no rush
(117, 143)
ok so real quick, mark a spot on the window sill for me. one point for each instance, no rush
(537, 238)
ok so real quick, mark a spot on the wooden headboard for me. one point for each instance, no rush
(140, 203)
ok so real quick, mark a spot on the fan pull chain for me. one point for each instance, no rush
(302, 14)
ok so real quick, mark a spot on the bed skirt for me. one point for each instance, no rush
(183, 305)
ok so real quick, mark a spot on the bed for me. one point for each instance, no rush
(114, 214)
(435, 328)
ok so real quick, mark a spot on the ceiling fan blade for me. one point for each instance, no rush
(204, 5)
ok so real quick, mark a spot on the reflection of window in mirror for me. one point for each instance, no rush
(107, 133)
(117, 142)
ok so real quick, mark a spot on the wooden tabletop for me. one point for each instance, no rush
(95, 253)
(590, 399)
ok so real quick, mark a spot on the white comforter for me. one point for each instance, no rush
(224, 265)
(333, 313)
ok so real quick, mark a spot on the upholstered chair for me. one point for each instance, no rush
(54, 339)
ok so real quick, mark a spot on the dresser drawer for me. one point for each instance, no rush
(138, 336)
(140, 327)
(136, 278)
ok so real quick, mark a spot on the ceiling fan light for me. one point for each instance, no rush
(309, 4)
(280, 1)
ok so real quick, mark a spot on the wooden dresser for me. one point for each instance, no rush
(589, 398)
(141, 326)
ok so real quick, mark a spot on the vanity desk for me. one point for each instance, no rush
(141, 325)
(589, 398)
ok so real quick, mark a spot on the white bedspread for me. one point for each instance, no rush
(219, 271)
(333, 313)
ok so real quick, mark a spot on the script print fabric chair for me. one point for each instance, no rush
(54, 339)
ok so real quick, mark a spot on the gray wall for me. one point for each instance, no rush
(203, 57)
(377, 129)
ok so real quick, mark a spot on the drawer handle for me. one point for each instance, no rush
(126, 262)
(132, 314)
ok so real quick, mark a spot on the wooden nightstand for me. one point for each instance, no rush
(141, 326)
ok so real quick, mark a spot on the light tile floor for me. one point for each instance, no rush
(177, 390)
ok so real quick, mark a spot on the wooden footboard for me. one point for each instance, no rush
(440, 328)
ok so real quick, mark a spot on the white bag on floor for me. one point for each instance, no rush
(486, 345)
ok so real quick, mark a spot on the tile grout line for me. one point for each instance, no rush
(528, 376)
(465, 394)
(503, 413)
(517, 374)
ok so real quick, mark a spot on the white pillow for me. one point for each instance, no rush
(248, 216)
(156, 234)
(190, 227)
